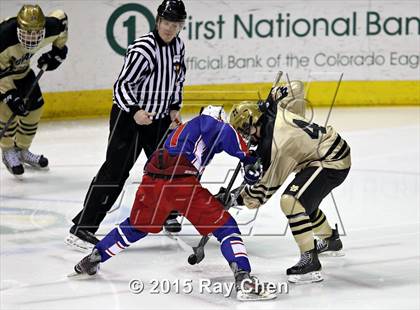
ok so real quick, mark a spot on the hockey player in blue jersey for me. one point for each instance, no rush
(171, 182)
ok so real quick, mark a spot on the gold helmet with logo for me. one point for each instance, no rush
(31, 26)
(243, 115)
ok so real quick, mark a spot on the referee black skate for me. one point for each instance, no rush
(147, 98)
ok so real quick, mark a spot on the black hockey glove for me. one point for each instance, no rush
(53, 58)
(233, 198)
(281, 92)
(15, 102)
(277, 94)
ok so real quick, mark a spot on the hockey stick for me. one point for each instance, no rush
(10, 120)
(198, 254)
(265, 104)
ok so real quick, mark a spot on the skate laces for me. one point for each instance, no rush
(89, 262)
(29, 157)
(12, 158)
(305, 259)
(321, 244)
(240, 276)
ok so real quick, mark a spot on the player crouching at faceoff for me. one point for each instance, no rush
(288, 143)
(22, 37)
(170, 182)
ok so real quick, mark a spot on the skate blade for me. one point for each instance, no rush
(242, 296)
(35, 167)
(307, 278)
(171, 236)
(18, 176)
(80, 276)
(77, 244)
(339, 253)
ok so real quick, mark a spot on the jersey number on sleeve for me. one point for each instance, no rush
(311, 129)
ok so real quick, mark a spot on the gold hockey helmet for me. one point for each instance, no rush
(243, 115)
(31, 26)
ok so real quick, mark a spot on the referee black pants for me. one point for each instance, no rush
(125, 143)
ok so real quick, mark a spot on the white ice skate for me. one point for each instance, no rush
(12, 162)
(78, 244)
(33, 160)
(81, 240)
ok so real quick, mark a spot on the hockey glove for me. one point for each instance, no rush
(233, 198)
(15, 102)
(53, 58)
(249, 160)
(281, 92)
(252, 174)
(277, 94)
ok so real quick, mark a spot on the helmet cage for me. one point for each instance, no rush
(30, 39)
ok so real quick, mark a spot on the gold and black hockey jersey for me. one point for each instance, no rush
(297, 144)
(15, 59)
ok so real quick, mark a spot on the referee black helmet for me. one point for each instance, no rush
(172, 10)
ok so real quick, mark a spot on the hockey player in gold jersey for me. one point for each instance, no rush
(21, 37)
(288, 143)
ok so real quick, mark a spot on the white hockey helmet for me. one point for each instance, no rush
(218, 112)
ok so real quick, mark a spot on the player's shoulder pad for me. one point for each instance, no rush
(8, 33)
(55, 23)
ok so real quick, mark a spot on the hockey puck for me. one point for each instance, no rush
(192, 259)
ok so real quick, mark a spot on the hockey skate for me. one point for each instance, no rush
(250, 288)
(307, 270)
(12, 162)
(31, 159)
(89, 265)
(331, 246)
(80, 239)
(171, 224)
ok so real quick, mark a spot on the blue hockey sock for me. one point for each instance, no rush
(118, 239)
(231, 244)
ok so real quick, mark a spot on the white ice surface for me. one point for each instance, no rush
(377, 210)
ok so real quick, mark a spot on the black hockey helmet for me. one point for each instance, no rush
(172, 10)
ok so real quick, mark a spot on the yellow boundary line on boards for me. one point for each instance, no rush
(94, 103)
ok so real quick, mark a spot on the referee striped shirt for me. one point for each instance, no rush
(152, 77)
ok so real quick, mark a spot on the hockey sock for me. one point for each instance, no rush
(320, 225)
(118, 239)
(231, 244)
(299, 222)
(300, 226)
